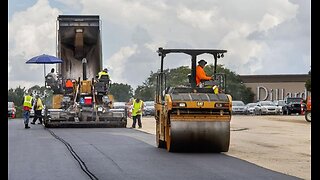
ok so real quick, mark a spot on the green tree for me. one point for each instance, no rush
(174, 77)
(146, 91)
(179, 76)
(121, 92)
(16, 95)
(45, 94)
(234, 84)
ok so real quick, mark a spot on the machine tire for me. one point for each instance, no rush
(307, 116)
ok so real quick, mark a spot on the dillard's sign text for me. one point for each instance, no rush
(264, 94)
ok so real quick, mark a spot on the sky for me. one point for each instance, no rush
(261, 37)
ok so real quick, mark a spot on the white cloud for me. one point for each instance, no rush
(197, 18)
(115, 64)
(31, 33)
(256, 33)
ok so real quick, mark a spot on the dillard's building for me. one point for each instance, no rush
(276, 87)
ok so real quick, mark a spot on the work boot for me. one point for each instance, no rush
(32, 123)
(26, 126)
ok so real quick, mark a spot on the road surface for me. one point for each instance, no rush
(114, 153)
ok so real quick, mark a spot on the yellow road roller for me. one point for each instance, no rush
(191, 117)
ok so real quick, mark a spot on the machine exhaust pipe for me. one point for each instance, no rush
(84, 68)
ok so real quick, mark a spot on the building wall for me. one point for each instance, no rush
(276, 87)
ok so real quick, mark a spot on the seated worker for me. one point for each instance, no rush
(52, 75)
(52, 81)
(103, 75)
(200, 73)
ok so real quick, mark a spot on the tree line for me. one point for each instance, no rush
(146, 91)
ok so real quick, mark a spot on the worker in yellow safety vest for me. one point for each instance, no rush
(38, 106)
(103, 74)
(137, 109)
(27, 105)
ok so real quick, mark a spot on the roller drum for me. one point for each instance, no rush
(213, 136)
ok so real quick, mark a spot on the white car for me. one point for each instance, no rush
(11, 110)
(280, 104)
(119, 105)
(238, 107)
(148, 108)
(249, 108)
(266, 107)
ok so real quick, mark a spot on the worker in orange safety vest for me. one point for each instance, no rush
(200, 73)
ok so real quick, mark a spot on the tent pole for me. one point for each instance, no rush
(44, 91)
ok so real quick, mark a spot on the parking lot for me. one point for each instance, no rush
(278, 142)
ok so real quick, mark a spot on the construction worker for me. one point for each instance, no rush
(137, 108)
(53, 75)
(69, 83)
(38, 106)
(69, 86)
(200, 73)
(104, 74)
(27, 105)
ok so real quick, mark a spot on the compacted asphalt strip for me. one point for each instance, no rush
(115, 153)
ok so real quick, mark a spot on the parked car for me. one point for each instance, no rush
(293, 105)
(249, 108)
(11, 110)
(280, 104)
(238, 107)
(120, 106)
(266, 107)
(148, 108)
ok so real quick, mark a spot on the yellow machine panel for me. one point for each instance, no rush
(85, 87)
(56, 101)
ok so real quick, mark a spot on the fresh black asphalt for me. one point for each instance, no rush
(39, 153)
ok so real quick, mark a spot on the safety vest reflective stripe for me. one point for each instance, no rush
(27, 101)
(136, 108)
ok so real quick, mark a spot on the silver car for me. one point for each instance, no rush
(148, 108)
(266, 107)
(249, 108)
(238, 107)
(280, 104)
